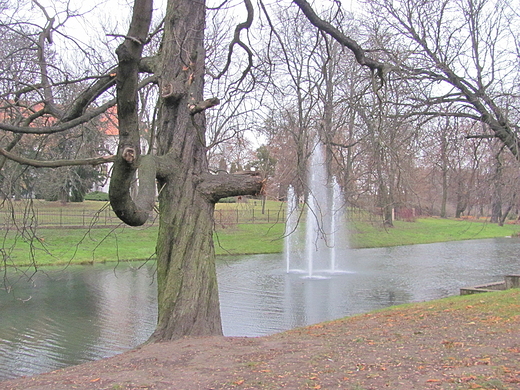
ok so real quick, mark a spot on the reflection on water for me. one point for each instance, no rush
(63, 317)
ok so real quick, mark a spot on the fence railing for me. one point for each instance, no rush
(84, 218)
(248, 216)
(60, 218)
(65, 218)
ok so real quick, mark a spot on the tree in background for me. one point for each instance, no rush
(457, 52)
(266, 164)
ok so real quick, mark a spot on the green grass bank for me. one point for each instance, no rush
(78, 246)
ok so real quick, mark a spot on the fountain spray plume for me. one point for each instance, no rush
(312, 249)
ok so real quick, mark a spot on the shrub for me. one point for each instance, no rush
(97, 195)
(231, 199)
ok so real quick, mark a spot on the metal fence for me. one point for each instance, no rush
(248, 216)
(13, 218)
(59, 218)
(74, 218)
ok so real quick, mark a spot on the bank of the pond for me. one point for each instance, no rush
(426, 231)
(461, 343)
(80, 246)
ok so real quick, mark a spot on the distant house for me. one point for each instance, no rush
(107, 123)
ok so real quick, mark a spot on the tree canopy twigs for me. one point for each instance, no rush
(237, 41)
(360, 54)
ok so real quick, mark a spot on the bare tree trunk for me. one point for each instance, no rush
(187, 283)
(503, 218)
(461, 201)
(444, 198)
(496, 200)
(444, 173)
(387, 205)
(186, 276)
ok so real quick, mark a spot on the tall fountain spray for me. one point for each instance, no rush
(337, 224)
(315, 232)
(290, 226)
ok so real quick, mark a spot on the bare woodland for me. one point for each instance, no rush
(416, 106)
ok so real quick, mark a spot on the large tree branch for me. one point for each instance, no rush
(133, 213)
(87, 116)
(474, 95)
(10, 147)
(146, 65)
(215, 187)
(341, 38)
(89, 95)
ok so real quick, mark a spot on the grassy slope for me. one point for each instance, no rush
(426, 230)
(58, 246)
(457, 343)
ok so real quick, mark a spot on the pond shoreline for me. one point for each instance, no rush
(453, 343)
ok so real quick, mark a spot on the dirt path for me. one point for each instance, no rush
(459, 343)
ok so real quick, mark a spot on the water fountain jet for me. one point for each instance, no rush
(312, 241)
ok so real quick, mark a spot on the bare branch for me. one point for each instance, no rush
(345, 146)
(134, 39)
(236, 41)
(376, 66)
(481, 136)
(69, 124)
(56, 163)
(61, 127)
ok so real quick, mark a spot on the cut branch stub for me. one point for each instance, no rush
(173, 91)
(216, 187)
(197, 108)
(129, 154)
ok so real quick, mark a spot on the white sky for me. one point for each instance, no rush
(115, 14)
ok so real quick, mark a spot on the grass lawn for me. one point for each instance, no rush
(426, 230)
(62, 246)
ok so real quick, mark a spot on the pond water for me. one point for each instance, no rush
(68, 316)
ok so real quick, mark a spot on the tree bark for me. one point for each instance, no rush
(187, 282)
(188, 300)
(497, 184)
(129, 148)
